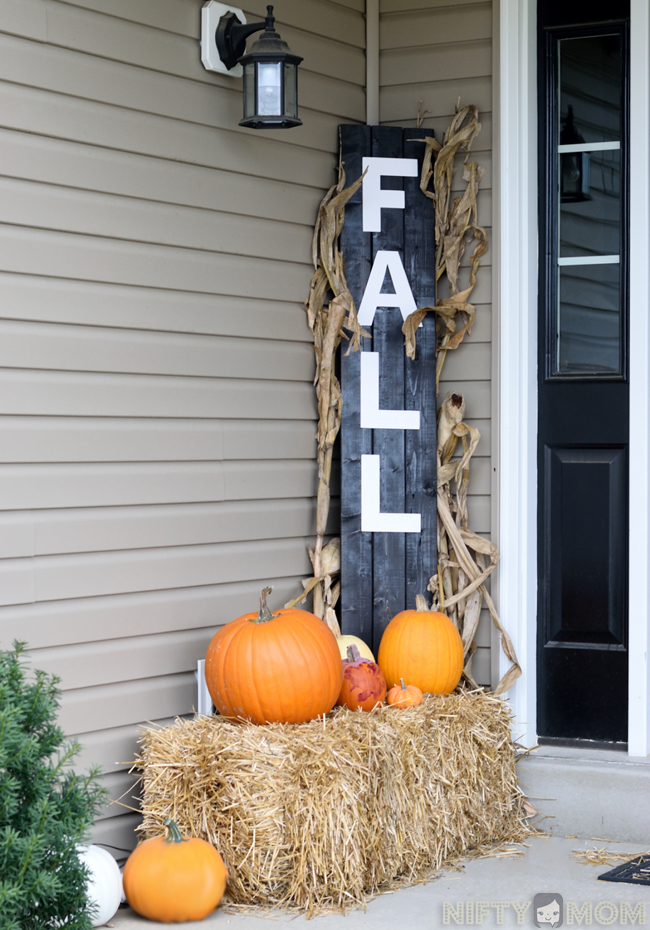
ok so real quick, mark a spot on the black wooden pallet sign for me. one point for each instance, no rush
(392, 240)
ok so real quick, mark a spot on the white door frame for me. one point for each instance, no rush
(516, 258)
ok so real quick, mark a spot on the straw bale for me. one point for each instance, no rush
(324, 815)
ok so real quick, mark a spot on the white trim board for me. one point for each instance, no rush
(517, 299)
(516, 296)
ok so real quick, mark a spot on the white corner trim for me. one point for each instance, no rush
(372, 62)
(639, 539)
(517, 301)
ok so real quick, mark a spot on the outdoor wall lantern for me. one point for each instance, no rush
(270, 68)
(574, 166)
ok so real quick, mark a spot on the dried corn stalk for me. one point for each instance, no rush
(326, 321)
(458, 587)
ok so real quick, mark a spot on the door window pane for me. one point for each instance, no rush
(589, 319)
(589, 201)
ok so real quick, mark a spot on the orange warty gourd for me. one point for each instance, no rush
(422, 647)
(404, 695)
(274, 668)
(171, 879)
(364, 685)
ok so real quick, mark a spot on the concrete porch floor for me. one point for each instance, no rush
(546, 866)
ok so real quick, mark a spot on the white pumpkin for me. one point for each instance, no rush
(364, 651)
(104, 883)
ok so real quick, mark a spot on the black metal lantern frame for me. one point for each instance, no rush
(574, 166)
(270, 72)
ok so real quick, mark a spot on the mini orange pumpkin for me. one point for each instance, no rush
(424, 648)
(171, 879)
(274, 668)
(364, 685)
(404, 696)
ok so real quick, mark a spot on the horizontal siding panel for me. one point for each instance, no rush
(479, 509)
(64, 622)
(181, 16)
(36, 111)
(408, 29)
(400, 101)
(88, 665)
(478, 396)
(71, 576)
(437, 63)
(59, 208)
(122, 790)
(102, 529)
(402, 6)
(24, 487)
(88, 439)
(481, 668)
(127, 702)
(118, 832)
(333, 21)
(471, 362)
(485, 429)
(24, 18)
(59, 347)
(53, 300)
(268, 439)
(65, 255)
(72, 394)
(113, 749)
(482, 326)
(55, 161)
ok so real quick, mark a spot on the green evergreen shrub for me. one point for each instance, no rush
(45, 809)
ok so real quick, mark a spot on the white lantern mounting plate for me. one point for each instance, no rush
(211, 13)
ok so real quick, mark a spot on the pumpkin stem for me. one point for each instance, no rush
(353, 654)
(264, 614)
(421, 604)
(174, 832)
(401, 681)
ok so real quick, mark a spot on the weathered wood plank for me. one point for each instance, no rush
(389, 549)
(356, 562)
(420, 379)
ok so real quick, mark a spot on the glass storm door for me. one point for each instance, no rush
(583, 385)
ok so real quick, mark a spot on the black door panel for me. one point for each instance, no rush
(583, 427)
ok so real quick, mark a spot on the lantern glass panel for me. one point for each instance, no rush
(269, 88)
(291, 90)
(249, 90)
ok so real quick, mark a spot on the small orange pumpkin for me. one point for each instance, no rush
(404, 695)
(171, 879)
(364, 685)
(282, 667)
(424, 648)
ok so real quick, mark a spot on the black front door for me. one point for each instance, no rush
(583, 378)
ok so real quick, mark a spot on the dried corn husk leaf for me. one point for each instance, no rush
(327, 322)
(459, 584)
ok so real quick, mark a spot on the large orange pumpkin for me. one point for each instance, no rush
(274, 668)
(171, 879)
(422, 647)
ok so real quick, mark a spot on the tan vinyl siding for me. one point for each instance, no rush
(436, 51)
(157, 412)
